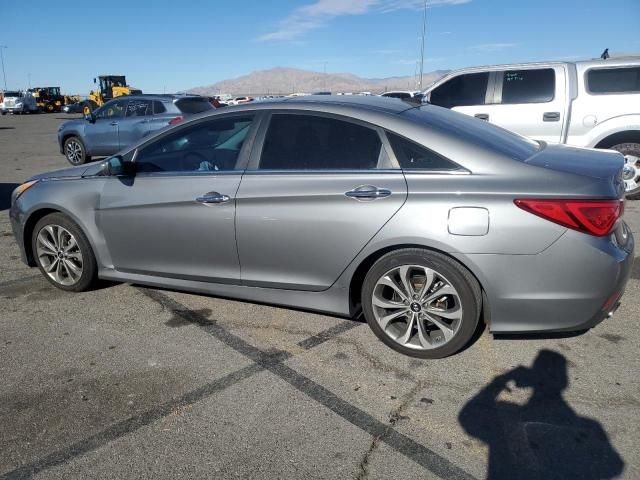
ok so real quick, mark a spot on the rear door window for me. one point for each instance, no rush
(308, 142)
(614, 80)
(463, 90)
(138, 108)
(192, 105)
(528, 86)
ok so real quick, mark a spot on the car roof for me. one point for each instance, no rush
(366, 102)
(611, 62)
(157, 96)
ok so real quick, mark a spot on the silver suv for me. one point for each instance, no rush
(122, 122)
(587, 104)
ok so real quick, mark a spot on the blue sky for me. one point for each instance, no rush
(168, 46)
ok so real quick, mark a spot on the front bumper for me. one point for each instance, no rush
(17, 218)
(573, 285)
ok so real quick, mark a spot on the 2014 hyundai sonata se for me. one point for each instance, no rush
(423, 218)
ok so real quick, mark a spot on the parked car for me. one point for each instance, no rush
(123, 121)
(407, 96)
(239, 100)
(17, 101)
(422, 217)
(593, 103)
(73, 108)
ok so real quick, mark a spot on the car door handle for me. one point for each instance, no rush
(482, 116)
(213, 197)
(551, 116)
(368, 192)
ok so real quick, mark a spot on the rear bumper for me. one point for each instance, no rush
(573, 285)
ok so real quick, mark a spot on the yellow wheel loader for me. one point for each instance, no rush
(110, 86)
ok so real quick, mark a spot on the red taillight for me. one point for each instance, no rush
(595, 217)
(175, 120)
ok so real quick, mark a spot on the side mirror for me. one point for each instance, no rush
(90, 117)
(116, 166)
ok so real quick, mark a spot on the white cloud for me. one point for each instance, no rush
(492, 47)
(315, 15)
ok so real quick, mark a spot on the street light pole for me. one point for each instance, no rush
(424, 30)
(4, 75)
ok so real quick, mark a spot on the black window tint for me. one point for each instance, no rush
(138, 108)
(158, 107)
(411, 155)
(112, 109)
(306, 142)
(528, 86)
(400, 95)
(194, 105)
(463, 90)
(614, 80)
(207, 146)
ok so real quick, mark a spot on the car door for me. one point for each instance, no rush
(530, 101)
(467, 93)
(318, 189)
(135, 123)
(175, 217)
(101, 136)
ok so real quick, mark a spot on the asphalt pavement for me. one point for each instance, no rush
(127, 381)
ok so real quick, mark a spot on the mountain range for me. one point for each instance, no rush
(281, 80)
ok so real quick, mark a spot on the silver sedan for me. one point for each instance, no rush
(427, 221)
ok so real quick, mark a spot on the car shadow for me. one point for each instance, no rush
(542, 437)
(5, 194)
(7, 128)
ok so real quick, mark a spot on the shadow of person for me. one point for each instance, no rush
(544, 438)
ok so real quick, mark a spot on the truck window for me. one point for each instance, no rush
(528, 86)
(614, 80)
(460, 91)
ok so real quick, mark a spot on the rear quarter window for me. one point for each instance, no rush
(614, 80)
(193, 105)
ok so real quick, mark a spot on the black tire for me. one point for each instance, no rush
(75, 152)
(632, 149)
(460, 278)
(89, 266)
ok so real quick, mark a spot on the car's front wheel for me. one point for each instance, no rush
(75, 151)
(631, 171)
(421, 303)
(63, 253)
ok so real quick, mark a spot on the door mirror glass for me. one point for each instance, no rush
(90, 117)
(116, 166)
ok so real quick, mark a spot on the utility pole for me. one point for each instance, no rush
(4, 75)
(29, 77)
(325, 75)
(424, 31)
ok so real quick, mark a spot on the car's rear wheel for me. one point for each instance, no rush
(75, 151)
(631, 172)
(63, 253)
(421, 303)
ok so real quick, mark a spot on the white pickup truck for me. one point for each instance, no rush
(587, 104)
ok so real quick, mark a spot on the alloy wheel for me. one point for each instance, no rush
(74, 151)
(631, 172)
(417, 307)
(59, 254)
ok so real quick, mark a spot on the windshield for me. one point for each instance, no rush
(12, 94)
